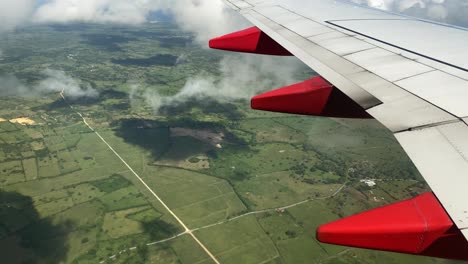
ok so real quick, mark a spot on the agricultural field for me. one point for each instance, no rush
(110, 180)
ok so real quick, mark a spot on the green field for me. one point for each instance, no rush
(66, 197)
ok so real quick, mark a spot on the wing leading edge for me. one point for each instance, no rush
(412, 77)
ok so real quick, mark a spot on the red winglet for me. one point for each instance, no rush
(251, 40)
(312, 97)
(417, 226)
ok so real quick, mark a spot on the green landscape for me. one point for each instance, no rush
(90, 179)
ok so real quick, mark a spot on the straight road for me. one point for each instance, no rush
(187, 230)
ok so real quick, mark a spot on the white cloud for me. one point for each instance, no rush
(14, 13)
(241, 77)
(437, 12)
(206, 18)
(54, 82)
(191, 14)
(393, 5)
(447, 11)
(57, 81)
(97, 11)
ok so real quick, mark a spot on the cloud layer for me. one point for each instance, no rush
(14, 13)
(204, 17)
(241, 76)
(191, 14)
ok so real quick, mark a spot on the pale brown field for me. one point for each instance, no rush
(23, 121)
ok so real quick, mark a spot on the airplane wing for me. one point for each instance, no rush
(409, 74)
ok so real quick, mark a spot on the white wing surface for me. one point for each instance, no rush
(409, 74)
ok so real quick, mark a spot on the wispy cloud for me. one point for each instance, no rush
(55, 81)
(206, 18)
(241, 77)
(11, 86)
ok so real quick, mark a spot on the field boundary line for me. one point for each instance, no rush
(273, 209)
(247, 214)
(187, 230)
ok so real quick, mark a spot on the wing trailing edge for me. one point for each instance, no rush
(250, 40)
(315, 97)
